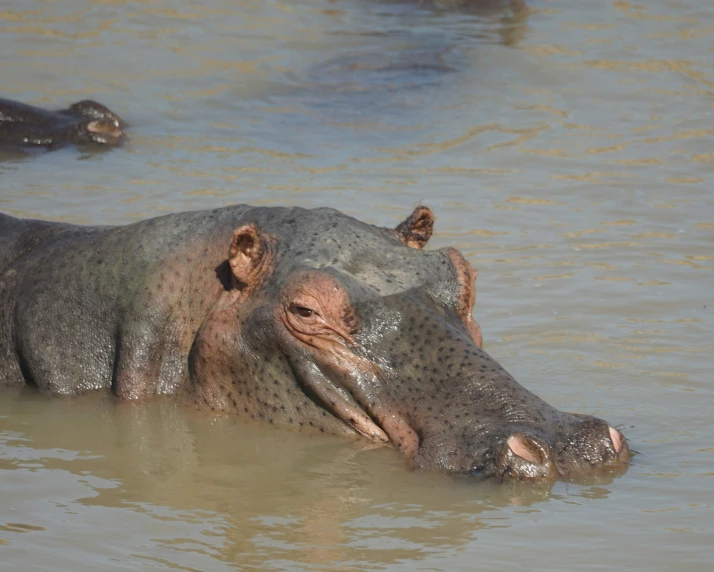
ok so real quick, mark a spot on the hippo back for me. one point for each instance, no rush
(17, 237)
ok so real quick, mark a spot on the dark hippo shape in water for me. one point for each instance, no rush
(374, 71)
(390, 78)
(83, 123)
(484, 7)
(298, 317)
(507, 18)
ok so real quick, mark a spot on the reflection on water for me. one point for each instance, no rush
(566, 150)
(241, 489)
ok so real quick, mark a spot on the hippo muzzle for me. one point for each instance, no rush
(462, 412)
(581, 446)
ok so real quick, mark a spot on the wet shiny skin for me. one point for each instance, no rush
(83, 123)
(296, 317)
(567, 155)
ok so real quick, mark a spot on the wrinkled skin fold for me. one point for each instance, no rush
(83, 123)
(304, 318)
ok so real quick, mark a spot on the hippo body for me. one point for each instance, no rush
(82, 123)
(298, 317)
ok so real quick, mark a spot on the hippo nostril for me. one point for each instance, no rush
(527, 449)
(616, 438)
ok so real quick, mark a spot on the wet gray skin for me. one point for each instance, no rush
(82, 123)
(306, 318)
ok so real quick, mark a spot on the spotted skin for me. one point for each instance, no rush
(296, 317)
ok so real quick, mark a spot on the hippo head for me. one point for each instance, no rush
(98, 125)
(341, 326)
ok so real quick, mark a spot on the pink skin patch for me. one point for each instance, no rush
(519, 447)
(105, 127)
(616, 439)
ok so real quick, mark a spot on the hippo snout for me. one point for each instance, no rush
(570, 446)
(528, 455)
(107, 132)
(100, 126)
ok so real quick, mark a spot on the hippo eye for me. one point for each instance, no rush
(303, 312)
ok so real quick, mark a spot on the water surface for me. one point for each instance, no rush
(566, 148)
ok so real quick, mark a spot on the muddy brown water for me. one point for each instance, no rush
(566, 148)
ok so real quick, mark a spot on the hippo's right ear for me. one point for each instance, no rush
(250, 256)
(416, 230)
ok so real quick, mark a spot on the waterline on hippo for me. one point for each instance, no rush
(299, 317)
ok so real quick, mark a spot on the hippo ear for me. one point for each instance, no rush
(416, 230)
(250, 254)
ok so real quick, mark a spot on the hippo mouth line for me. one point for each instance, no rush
(339, 401)
(380, 426)
(365, 416)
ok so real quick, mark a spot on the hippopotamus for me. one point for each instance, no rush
(83, 123)
(297, 317)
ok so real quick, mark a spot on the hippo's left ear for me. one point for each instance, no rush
(250, 256)
(416, 230)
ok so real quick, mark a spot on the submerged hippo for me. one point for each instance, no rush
(83, 123)
(294, 316)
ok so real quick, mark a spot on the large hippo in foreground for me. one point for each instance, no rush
(297, 317)
(83, 123)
